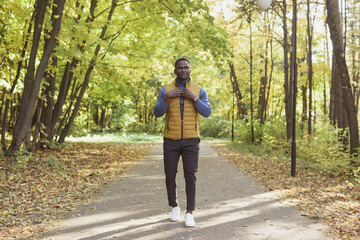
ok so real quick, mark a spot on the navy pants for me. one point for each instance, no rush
(188, 149)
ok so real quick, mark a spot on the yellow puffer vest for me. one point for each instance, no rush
(175, 127)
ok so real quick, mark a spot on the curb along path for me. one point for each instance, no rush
(230, 205)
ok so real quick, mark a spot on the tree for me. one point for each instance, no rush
(241, 108)
(310, 66)
(334, 22)
(4, 124)
(33, 81)
(287, 86)
(85, 83)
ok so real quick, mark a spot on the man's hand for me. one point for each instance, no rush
(173, 94)
(186, 93)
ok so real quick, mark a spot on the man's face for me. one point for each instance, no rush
(182, 70)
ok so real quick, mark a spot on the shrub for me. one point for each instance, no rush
(139, 127)
(215, 127)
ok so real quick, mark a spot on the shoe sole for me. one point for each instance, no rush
(190, 226)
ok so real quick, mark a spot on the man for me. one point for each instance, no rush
(182, 100)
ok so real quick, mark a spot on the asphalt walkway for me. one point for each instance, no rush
(230, 205)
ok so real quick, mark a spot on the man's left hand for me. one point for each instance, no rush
(186, 93)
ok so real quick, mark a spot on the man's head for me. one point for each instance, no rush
(182, 69)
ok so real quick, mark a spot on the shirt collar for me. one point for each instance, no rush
(182, 82)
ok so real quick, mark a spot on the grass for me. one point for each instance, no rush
(125, 138)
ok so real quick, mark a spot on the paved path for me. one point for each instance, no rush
(230, 205)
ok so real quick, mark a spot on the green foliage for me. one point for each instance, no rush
(155, 127)
(357, 174)
(53, 162)
(274, 132)
(2, 154)
(55, 145)
(20, 161)
(23, 156)
(122, 116)
(215, 127)
(322, 152)
(80, 127)
(267, 131)
(248, 148)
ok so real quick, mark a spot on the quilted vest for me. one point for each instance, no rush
(187, 127)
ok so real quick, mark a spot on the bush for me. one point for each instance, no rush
(139, 127)
(79, 127)
(215, 127)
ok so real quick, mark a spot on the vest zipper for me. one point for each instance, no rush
(182, 117)
(182, 134)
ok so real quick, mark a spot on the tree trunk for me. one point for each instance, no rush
(20, 66)
(309, 62)
(102, 118)
(96, 116)
(63, 92)
(333, 96)
(338, 115)
(355, 69)
(304, 105)
(287, 88)
(49, 93)
(251, 87)
(270, 78)
(263, 84)
(334, 23)
(327, 61)
(262, 100)
(241, 108)
(37, 124)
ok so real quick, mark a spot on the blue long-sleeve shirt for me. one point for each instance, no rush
(202, 106)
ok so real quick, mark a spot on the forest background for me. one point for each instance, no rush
(76, 68)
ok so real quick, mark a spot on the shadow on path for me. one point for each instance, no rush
(230, 205)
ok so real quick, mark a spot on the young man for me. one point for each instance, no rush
(182, 100)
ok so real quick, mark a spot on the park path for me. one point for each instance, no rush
(230, 205)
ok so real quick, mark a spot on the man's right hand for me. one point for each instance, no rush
(173, 94)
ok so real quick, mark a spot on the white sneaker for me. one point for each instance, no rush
(175, 214)
(189, 220)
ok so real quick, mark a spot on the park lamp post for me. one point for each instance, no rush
(263, 5)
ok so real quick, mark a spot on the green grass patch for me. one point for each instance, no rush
(127, 138)
(118, 138)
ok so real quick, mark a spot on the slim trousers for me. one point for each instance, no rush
(188, 149)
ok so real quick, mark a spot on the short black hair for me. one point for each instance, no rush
(181, 59)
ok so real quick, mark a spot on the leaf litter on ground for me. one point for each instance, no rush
(318, 194)
(46, 186)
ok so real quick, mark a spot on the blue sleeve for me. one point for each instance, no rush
(203, 105)
(160, 107)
